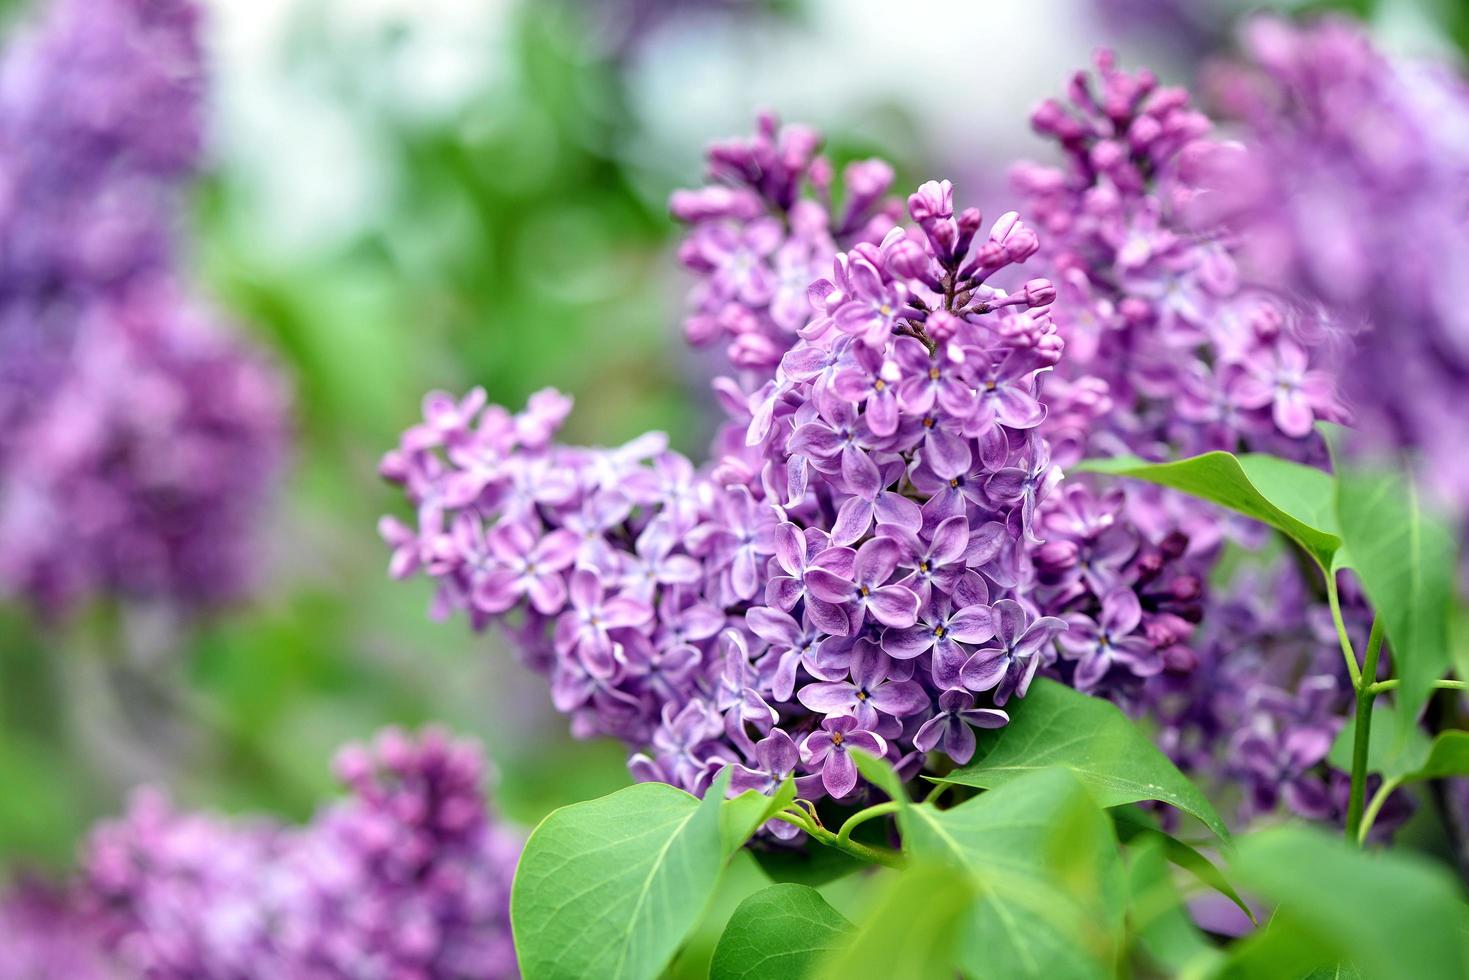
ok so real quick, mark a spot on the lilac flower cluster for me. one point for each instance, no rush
(137, 437)
(407, 877)
(144, 472)
(759, 238)
(1166, 349)
(1269, 696)
(1336, 135)
(1168, 354)
(99, 121)
(853, 568)
(44, 934)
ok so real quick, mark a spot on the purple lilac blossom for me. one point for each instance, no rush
(407, 876)
(1258, 715)
(100, 120)
(823, 581)
(1334, 135)
(1170, 353)
(138, 439)
(145, 472)
(45, 934)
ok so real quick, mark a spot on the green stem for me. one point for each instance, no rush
(1375, 807)
(1334, 598)
(861, 852)
(1362, 737)
(1442, 685)
(862, 816)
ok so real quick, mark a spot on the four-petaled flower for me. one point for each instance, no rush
(829, 747)
(1008, 667)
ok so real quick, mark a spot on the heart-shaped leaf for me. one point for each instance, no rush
(610, 888)
(779, 933)
(1044, 861)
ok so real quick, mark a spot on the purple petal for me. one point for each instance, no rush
(894, 605)
(985, 669)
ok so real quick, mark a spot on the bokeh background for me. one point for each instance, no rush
(405, 195)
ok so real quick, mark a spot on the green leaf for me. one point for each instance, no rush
(1294, 499)
(911, 931)
(778, 933)
(740, 817)
(1160, 922)
(1447, 756)
(880, 774)
(1137, 828)
(1405, 561)
(610, 888)
(1058, 727)
(1044, 859)
(1393, 749)
(1390, 915)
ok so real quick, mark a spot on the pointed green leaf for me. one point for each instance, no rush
(740, 817)
(778, 934)
(1391, 915)
(1405, 560)
(610, 888)
(880, 774)
(1294, 499)
(1160, 922)
(1056, 726)
(1447, 756)
(911, 930)
(1392, 751)
(1044, 859)
(1137, 828)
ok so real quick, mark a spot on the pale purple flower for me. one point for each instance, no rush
(877, 684)
(1112, 640)
(585, 628)
(953, 726)
(1008, 666)
(866, 590)
(942, 629)
(829, 747)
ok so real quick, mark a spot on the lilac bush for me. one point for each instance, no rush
(138, 437)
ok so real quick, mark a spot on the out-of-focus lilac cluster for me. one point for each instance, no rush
(409, 876)
(1169, 355)
(45, 934)
(137, 437)
(853, 567)
(143, 473)
(1269, 696)
(1351, 190)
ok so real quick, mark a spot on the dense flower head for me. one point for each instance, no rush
(1335, 135)
(99, 121)
(138, 438)
(1168, 353)
(143, 474)
(765, 226)
(409, 876)
(853, 567)
(1171, 351)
